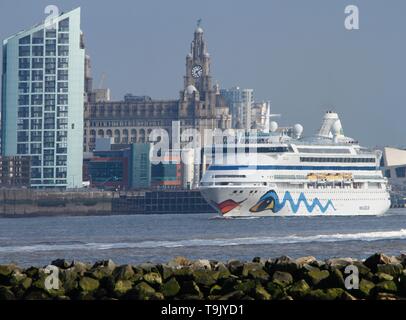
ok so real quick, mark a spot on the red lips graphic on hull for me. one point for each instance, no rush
(228, 205)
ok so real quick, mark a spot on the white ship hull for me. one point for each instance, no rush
(295, 202)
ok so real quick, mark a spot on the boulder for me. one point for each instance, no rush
(285, 264)
(334, 280)
(258, 260)
(299, 289)
(386, 296)
(282, 278)
(365, 288)
(124, 272)
(190, 287)
(276, 290)
(394, 270)
(153, 278)
(315, 276)
(144, 291)
(380, 276)
(165, 271)
(179, 262)
(61, 263)
(36, 294)
(362, 268)
(88, 284)
(347, 296)
(377, 258)
(328, 294)
(305, 260)
(235, 295)
(201, 264)
(109, 264)
(5, 273)
(25, 284)
(223, 272)
(205, 278)
(146, 268)
(182, 274)
(6, 294)
(170, 288)
(7, 269)
(215, 290)
(122, 286)
(255, 270)
(246, 286)
(260, 293)
(235, 267)
(338, 263)
(386, 286)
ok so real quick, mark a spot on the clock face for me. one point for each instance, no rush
(197, 71)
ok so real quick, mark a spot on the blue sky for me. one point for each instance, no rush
(295, 53)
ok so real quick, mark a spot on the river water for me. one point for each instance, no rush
(158, 238)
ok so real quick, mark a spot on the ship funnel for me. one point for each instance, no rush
(331, 125)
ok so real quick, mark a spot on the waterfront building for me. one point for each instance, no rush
(15, 171)
(42, 100)
(240, 102)
(140, 166)
(131, 119)
(393, 164)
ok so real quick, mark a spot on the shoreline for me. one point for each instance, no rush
(379, 277)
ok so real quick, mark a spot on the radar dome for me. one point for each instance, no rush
(298, 130)
(273, 126)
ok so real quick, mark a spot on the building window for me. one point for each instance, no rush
(24, 63)
(24, 75)
(50, 49)
(50, 32)
(63, 50)
(64, 25)
(25, 40)
(23, 112)
(387, 173)
(36, 99)
(48, 173)
(37, 63)
(63, 63)
(63, 38)
(62, 99)
(37, 75)
(24, 51)
(50, 65)
(401, 172)
(37, 51)
(36, 173)
(23, 87)
(63, 75)
(36, 135)
(38, 37)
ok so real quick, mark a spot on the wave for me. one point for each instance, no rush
(220, 242)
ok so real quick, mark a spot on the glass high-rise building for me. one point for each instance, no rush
(42, 100)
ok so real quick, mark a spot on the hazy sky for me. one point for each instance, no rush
(295, 53)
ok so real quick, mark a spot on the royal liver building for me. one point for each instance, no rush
(200, 106)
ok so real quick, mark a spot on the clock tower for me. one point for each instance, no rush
(201, 105)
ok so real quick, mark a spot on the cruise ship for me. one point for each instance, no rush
(285, 174)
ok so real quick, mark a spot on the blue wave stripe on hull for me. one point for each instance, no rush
(276, 167)
(301, 199)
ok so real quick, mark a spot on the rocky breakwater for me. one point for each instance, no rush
(379, 277)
